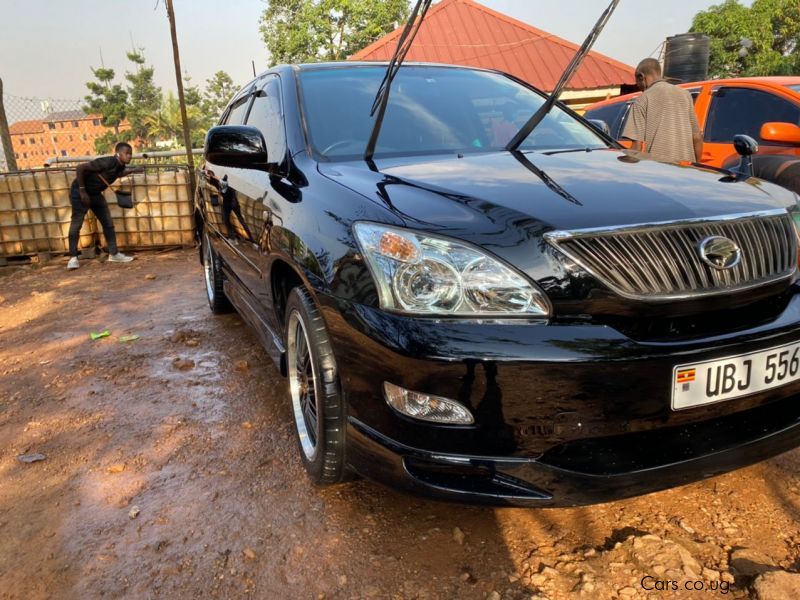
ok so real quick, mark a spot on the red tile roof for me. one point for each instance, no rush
(35, 126)
(464, 32)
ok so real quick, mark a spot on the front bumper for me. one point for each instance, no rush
(566, 414)
(595, 471)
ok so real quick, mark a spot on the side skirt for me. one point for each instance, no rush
(244, 303)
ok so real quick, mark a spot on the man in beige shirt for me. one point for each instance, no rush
(661, 121)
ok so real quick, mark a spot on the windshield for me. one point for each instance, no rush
(432, 110)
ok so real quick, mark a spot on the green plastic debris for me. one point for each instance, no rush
(128, 338)
(102, 334)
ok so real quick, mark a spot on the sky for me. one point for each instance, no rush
(47, 47)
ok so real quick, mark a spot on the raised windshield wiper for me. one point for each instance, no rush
(546, 179)
(576, 61)
(566, 150)
(382, 97)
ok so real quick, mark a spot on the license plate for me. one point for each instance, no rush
(734, 376)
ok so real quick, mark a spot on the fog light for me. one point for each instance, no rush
(426, 407)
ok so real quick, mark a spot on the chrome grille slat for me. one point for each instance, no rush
(767, 251)
(789, 231)
(646, 274)
(635, 280)
(763, 261)
(683, 275)
(662, 260)
(646, 251)
(670, 267)
(747, 246)
(689, 251)
(780, 232)
(772, 232)
(758, 260)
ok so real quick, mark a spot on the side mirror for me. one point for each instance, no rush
(782, 133)
(600, 125)
(236, 146)
(746, 147)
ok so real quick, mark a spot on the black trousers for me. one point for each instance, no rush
(99, 207)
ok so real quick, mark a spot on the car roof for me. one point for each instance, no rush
(381, 63)
(773, 81)
(282, 68)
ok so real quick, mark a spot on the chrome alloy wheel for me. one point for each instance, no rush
(208, 266)
(302, 385)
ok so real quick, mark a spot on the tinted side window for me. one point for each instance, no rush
(612, 114)
(742, 110)
(267, 116)
(237, 112)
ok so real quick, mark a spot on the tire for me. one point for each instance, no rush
(217, 300)
(317, 403)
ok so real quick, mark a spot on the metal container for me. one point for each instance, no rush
(35, 213)
(686, 57)
(162, 213)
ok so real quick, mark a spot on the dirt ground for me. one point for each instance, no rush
(170, 471)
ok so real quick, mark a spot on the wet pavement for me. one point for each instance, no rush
(171, 471)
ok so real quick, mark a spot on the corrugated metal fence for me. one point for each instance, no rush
(35, 211)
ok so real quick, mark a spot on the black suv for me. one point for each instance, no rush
(565, 323)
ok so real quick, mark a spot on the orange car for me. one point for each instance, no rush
(765, 108)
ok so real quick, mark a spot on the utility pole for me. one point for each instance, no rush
(5, 135)
(187, 139)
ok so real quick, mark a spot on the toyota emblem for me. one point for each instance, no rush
(720, 252)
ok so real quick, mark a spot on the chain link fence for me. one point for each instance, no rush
(39, 129)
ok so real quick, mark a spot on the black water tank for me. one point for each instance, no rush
(686, 57)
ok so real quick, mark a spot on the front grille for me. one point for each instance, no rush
(662, 260)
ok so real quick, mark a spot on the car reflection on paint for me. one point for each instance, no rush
(539, 327)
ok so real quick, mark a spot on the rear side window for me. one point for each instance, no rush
(267, 116)
(742, 110)
(613, 115)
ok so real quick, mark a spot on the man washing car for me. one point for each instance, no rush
(86, 192)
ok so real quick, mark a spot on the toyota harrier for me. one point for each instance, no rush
(561, 323)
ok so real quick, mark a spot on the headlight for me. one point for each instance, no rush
(420, 273)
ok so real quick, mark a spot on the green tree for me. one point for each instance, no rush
(761, 40)
(199, 119)
(144, 97)
(218, 92)
(107, 100)
(314, 30)
(167, 125)
(191, 93)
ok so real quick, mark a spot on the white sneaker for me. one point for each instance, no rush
(119, 257)
(73, 263)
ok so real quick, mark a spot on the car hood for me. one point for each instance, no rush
(562, 191)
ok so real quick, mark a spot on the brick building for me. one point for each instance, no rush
(70, 133)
